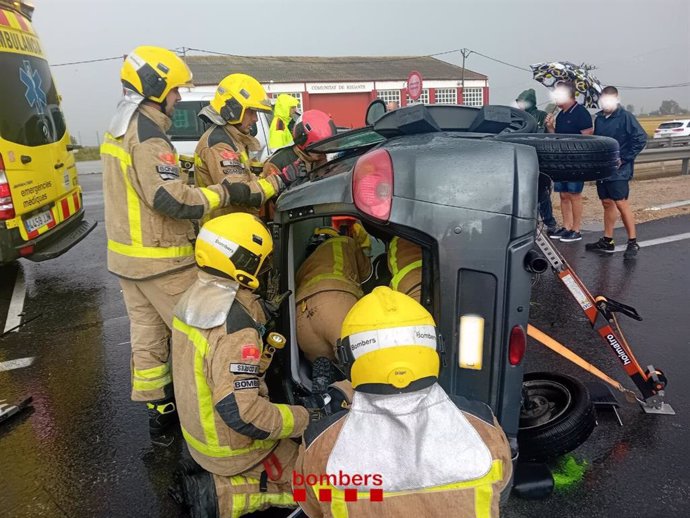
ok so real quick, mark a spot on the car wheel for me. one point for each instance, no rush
(571, 158)
(557, 415)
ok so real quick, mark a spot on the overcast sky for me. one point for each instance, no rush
(633, 42)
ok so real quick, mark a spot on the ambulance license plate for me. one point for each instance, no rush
(37, 221)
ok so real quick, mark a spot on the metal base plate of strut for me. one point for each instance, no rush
(659, 408)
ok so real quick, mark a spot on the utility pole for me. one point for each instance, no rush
(465, 53)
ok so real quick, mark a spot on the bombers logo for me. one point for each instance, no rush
(424, 336)
(362, 343)
(619, 350)
(252, 383)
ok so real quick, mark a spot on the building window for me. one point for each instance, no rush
(473, 97)
(389, 96)
(296, 95)
(446, 96)
(423, 99)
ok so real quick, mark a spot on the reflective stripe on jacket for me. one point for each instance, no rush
(148, 208)
(225, 414)
(338, 264)
(405, 264)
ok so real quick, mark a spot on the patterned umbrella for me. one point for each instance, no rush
(587, 88)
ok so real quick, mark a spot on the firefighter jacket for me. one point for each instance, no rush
(405, 265)
(148, 208)
(420, 453)
(223, 154)
(226, 417)
(338, 264)
(279, 134)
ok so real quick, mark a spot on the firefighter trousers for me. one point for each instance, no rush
(150, 305)
(319, 319)
(255, 490)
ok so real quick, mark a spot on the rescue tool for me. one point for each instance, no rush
(601, 312)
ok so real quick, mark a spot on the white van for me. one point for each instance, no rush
(187, 128)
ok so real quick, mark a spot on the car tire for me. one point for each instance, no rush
(557, 416)
(571, 158)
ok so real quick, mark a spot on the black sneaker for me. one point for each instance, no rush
(603, 245)
(631, 250)
(162, 415)
(569, 236)
(556, 233)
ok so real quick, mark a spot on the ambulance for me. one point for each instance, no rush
(41, 209)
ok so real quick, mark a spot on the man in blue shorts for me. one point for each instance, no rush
(572, 119)
(615, 122)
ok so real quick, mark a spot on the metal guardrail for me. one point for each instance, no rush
(666, 154)
(654, 143)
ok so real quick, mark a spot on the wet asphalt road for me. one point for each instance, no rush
(84, 451)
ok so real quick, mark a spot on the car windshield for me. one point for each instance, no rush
(348, 141)
(186, 125)
(31, 114)
(670, 125)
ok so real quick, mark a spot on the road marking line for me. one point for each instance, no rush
(16, 364)
(673, 205)
(659, 241)
(14, 317)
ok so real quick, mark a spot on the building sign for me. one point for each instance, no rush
(340, 88)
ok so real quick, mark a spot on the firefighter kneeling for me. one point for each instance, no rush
(239, 438)
(428, 454)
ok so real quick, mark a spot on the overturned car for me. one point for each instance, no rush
(461, 183)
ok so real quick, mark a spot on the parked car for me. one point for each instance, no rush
(675, 128)
(41, 209)
(460, 182)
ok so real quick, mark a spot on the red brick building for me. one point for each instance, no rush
(344, 86)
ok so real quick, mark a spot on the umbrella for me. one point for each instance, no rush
(587, 88)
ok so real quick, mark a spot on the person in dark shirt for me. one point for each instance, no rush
(615, 122)
(573, 119)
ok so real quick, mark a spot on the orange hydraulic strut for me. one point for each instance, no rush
(600, 312)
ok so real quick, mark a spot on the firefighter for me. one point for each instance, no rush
(223, 151)
(240, 440)
(312, 126)
(148, 214)
(328, 285)
(405, 265)
(284, 113)
(423, 452)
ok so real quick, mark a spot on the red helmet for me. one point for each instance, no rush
(312, 126)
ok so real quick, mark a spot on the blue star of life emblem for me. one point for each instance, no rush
(34, 94)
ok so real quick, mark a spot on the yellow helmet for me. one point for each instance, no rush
(236, 94)
(153, 72)
(389, 344)
(236, 246)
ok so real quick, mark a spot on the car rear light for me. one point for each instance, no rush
(471, 342)
(26, 250)
(372, 184)
(517, 345)
(6, 205)
(678, 129)
(657, 130)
